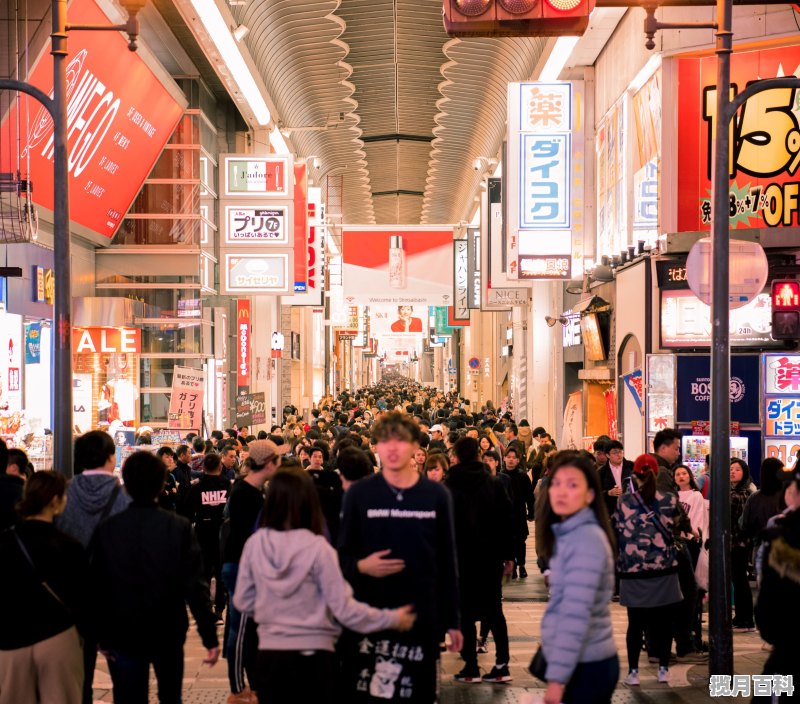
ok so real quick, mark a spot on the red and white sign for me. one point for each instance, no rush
(119, 117)
(315, 253)
(398, 265)
(186, 400)
(300, 227)
(243, 344)
(106, 340)
(765, 142)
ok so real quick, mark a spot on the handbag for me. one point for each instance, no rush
(538, 666)
(701, 570)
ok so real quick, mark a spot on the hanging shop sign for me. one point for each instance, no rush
(545, 194)
(256, 272)
(401, 265)
(243, 333)
(33, 343)
(186, 400)
(474, 268)
(106, 340)
(571, 330)
(646, 124)
(612, 209)
(765, 142)
(693, 388)
(119, 117)
(300, 226)
(507, 296)
(460, 280)
(315, 253)
(260, 224)
(44, 282)
(249, 176)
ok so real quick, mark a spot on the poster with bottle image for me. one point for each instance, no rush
(398, 265)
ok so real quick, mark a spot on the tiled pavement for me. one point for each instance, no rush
(524, 604)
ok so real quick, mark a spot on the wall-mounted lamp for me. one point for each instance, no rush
(551, 321)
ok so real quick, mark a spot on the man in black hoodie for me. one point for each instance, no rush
(147, 567)
(522, 499)
(484, 546)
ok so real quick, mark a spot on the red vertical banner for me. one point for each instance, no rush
(610, 396)
(243, 332)
(300, 228)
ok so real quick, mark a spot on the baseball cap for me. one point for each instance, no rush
(262, 451)
(436, 427)
(645, 464)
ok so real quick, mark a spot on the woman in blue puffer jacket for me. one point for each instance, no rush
(577, 639)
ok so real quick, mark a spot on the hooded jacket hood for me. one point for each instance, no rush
(91, 492)
(286, 557)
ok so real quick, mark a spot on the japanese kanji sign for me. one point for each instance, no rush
(545, 193)
(257, 224)
(781, 406)
(186, 401)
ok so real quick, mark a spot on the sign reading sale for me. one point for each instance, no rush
(764, 164)
(119, 117)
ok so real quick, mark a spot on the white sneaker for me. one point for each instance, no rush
(663, 674)
(632, 680)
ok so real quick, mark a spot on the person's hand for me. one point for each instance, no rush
(553, 693)
(211, 657)
(456, 640)
(378, 565)
(405, 618)
(616, 491)
(508, 568)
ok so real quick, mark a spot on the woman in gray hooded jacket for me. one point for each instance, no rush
(291, 585)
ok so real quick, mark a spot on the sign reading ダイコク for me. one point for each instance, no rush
(765, 142)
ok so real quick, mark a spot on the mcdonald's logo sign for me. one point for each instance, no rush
(243, 344)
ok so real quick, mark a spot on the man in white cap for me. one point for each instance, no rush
(242, 512)
(437, 439)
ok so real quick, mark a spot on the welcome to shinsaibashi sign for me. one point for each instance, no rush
(545, 174)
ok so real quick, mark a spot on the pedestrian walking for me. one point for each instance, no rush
(741, 547)
(522, 510)
(581, 664)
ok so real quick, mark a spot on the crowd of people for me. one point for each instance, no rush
(335, 557)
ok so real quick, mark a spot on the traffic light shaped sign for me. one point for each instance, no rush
(786, 309)
(516, 18)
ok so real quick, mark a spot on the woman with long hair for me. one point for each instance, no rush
(741, 547)
(41, 654)
(485, 444)
(291, 584)
(420, 457)
(577, 541)
(646, 522)
(436, 466)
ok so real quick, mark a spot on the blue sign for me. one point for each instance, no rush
(545, 179)
(694, 388)
(33, 343)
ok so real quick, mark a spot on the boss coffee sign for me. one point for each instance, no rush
(694, 388)
(119, 117)
(765, 142)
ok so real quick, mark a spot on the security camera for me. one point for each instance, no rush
(477, 164)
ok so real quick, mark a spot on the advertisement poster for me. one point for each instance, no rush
(33, 343)
(120, 117)
(398, 327)
(255, 273)
(10, 362)
(398, 266)
(693, 389)
(266, 224)
(251, 176)
(765, 144)
(686, 321)
(612, 225)
(781, 400)
(646, 119)
(186, 400)
(244, 413)
(258, 408)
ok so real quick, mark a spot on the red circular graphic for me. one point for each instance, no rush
(473, 8)
(518, 7)
(564, 5)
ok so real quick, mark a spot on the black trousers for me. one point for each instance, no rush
(520, 549)
(492, 619)
(130, 674)
(742, 596)
(686, 610)
(284, 676)
(656, 622)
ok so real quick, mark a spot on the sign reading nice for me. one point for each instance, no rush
(119, 117)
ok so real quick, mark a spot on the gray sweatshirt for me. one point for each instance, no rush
(291, 584)
(87, 500)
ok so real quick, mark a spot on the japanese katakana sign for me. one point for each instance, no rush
(545, 193)
(781, 406)
(186, 401)
(259, 224)
(460, 280)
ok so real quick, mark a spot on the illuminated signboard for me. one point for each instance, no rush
(261, 224)
(119, 117)
(252, 176)
(781, 406)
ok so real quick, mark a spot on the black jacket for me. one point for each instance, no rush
(10, 493)
(607, 483)
(522, 500)
(183, 478)
(146, 567)
(483, 525)
(329, 488)
(32, 614)
(205, 505)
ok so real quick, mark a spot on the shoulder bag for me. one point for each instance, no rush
(29, 560)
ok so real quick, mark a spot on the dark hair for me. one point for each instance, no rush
(546, 518)
(396, 425)
(262, 435)
(144, 475)
(18, 458)
(692, 482)
(292, 502)
(4, 456)
(199, 445)
(181, 449)
(511, 427)
(537, 431)
(466, 450)
(437, 459)
(600, 446)
(39, 491)
(647, 486)
(353, 464)
(744, 482)
(320, 446)
(771, 476)
(614, 445)
(217, 435)
(211, 463)
(493, 454)
(92, 450)
(665, 437)
(165, 451)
